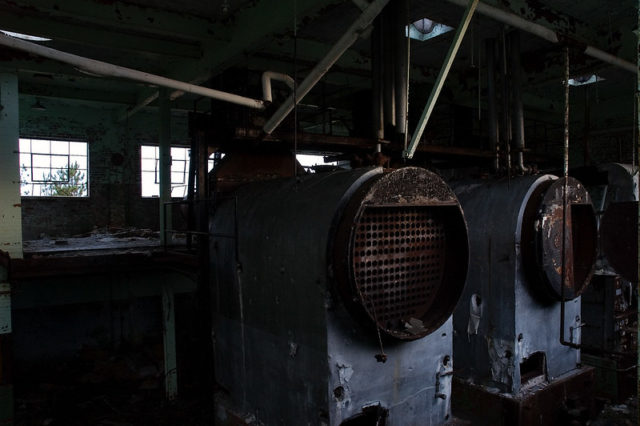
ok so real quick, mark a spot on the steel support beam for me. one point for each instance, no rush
(442, 76)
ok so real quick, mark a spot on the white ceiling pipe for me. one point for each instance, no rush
(267, 76)
(352, 34)
(105, 69)
(545, 33)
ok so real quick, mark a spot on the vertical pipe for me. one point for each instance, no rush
(347, 39)
(516, 93)
(565, 206)
(505, 131)
(10, 228)
(205, 309)
(193, 167)
(401, 51)
(638, 157)
(494, 140)
(388, 73)
(587, 127)
(165, 166)
(377, 87)
(442, 76)
(169, 342)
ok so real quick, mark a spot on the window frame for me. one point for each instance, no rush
(184, 182)
(51, 169)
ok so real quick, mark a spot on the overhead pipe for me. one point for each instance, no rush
(267, 76)
(517, 113)
(442, 76)
(349, 37)
(546, 33)
(105, 69)
(494, 140)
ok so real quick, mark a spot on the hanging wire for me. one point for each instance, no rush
(565, 173)
(479, 81)
(295, 88)
(633, 135)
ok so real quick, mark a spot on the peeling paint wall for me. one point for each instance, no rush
(114, 168)
(10, 214)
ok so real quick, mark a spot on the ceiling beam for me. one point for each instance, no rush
(253, 27)
(120, 16)
(81, 94)
(87, 34)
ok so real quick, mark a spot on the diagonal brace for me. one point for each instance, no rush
(442, 76)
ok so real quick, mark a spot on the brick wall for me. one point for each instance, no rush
(114, 169)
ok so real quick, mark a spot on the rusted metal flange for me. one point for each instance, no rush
(580, 239)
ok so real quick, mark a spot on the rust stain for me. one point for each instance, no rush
(17, 205)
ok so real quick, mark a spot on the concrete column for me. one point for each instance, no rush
(10, 227)
(10, 209)
(165, 166)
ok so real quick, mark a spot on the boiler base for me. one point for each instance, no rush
(567, 398)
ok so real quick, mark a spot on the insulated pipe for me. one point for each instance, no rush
(267, 76)
(517, 122)
(505, 121)
(545, 33)
(352, 34)
(376, 88)
(388, 71)
(401, 52)
(494, 140)
(100, 68)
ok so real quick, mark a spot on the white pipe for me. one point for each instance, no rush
(610, 59)
(352, 34)
(545, 33)
(106, 69)
(267, 76)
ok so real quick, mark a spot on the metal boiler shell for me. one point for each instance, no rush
(285, 348)
(513, 321)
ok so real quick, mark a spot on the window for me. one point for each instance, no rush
(311, 162)
(583, 80)
(150, 170)
(53, 168)
(425, 29)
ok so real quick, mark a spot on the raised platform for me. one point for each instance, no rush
(565, 399)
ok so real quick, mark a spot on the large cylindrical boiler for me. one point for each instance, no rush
(507, 323)
(317, 279)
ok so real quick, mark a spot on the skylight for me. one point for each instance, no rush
(24, 36)
(425, 29)
(583, 80)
